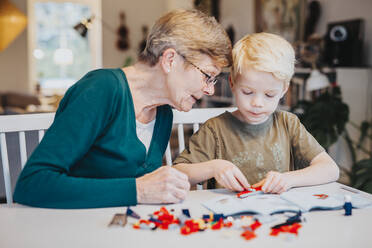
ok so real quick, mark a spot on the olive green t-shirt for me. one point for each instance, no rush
(279, 144)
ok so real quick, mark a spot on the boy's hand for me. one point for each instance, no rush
(229, 176)
(275, 182)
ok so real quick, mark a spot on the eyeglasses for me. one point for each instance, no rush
(211, 81)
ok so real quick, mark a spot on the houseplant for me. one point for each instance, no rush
(325, 117)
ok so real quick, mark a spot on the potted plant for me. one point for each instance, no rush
(361, 171)
(325, 117)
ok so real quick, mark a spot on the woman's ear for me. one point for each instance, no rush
(167, 60)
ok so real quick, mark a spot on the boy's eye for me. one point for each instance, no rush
(246, 92)
(270, 95)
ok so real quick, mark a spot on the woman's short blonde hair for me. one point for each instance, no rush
(264, 52)
(191, 33)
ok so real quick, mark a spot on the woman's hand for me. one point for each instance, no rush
(275, 182)
(164, 185)
(229, 176)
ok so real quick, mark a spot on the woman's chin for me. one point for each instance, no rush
(186, 107)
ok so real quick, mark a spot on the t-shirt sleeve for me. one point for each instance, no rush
(202, 146)
(304, 146)
(82, 117)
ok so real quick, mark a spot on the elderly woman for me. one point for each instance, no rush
(111, 129)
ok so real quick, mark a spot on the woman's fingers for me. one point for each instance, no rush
(166, 185)
(177, 195)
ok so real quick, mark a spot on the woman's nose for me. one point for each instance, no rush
(208, 90)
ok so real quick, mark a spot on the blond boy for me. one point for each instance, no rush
(258, 144)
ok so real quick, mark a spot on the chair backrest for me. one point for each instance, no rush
(194, 117)
(20, 124)
(41, 122)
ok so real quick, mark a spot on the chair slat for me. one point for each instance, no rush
(22, 148)
(41, 135)
(181, 138)
(168, 155)
(20, 124)
(28, 122)
(195, 127)
(5, 162)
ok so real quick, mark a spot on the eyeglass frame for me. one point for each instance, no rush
(211, 81)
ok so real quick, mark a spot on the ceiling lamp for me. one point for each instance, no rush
(12, 23)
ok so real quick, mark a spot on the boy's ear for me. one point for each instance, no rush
(286, 86)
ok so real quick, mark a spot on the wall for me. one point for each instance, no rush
(239, 13)
(339, 10)
(137, 13)
(13, 60)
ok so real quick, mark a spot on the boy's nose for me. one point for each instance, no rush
(257, 101)
(208, 90)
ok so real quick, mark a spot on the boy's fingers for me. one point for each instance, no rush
(233, 182)
(241, 179)
(259, 184)
(267, 183)
(278, 186)
(236, 185)
(274, 182)
(223, 181)
(228, 184)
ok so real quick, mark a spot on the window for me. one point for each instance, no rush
(58, 55)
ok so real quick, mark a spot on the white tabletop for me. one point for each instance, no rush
(34, 227)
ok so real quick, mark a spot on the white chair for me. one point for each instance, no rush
(20, 124)
(41, 122)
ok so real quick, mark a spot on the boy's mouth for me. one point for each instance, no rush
(255, 114)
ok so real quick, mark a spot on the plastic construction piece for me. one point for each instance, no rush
(163, 219)
(132, 214)
(321, 196)
(119, 220)
(218, 225)
(291, 220)
(255, 225)
(213, 217)
(190, 226)
(348, 206)
(286, 229)
(186, 212)
(291, 225)
(249, 192)
(248, 235)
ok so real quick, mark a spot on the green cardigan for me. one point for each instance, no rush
(91, 156)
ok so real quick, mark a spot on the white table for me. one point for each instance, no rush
(33, 227)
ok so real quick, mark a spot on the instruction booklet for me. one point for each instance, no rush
(290, 201)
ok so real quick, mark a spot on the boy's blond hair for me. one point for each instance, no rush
(264, 52)
(191, 33)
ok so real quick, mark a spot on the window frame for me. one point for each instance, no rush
(95, 36)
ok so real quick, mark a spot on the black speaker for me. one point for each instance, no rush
(344, 43)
